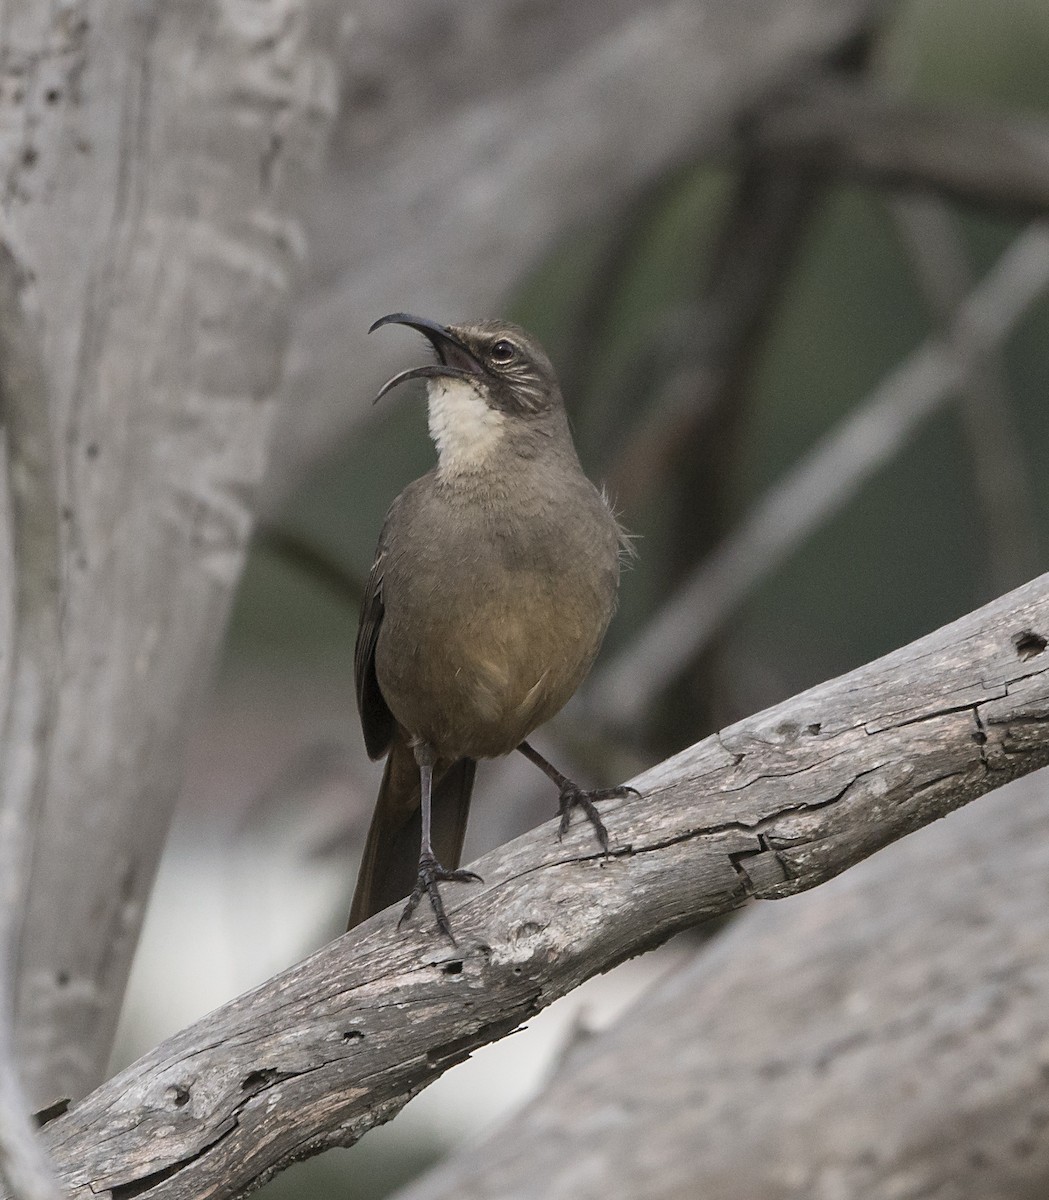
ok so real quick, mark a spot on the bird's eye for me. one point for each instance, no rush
(503, 351)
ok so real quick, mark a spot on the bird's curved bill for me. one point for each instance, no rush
(431, 371)
(456, 359)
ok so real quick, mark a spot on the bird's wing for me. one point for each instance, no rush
(376, 719)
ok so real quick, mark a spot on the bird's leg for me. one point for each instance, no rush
(573, 796)
(430, 870)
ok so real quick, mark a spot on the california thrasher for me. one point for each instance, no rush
(492, 587)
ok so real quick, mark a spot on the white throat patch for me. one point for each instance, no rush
(464, 429)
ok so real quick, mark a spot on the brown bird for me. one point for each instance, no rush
(493, 584)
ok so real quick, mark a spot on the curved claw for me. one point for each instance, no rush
(575, 797)
(430, 874)
(618, 792)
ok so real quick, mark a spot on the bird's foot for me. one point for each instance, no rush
(430, 874)
(573, 796)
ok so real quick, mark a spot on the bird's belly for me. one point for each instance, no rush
(480, 674)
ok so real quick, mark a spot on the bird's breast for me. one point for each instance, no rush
(490, 628)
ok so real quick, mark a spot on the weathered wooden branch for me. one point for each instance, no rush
(885, 1036)
(771, 806)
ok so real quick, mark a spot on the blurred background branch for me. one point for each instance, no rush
(821, 483)
(147, 202)
(457, 179)
(999, 160)
(1001, 472)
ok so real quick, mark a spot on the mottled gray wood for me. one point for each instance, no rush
(144, 155)
(882, 1038)
(772, 806)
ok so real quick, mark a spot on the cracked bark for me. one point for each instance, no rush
(773, 805)
(882, 1037)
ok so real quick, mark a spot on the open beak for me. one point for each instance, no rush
(455, 358)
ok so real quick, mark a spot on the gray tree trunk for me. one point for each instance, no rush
(145, 177)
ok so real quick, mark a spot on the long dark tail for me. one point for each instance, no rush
(390, 863)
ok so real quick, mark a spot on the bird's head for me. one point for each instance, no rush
(491, 378)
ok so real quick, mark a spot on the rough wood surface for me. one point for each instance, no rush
(885, 1037)
(772, 806)
(144, 153)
